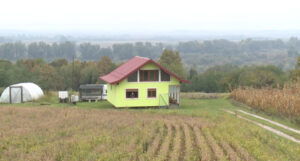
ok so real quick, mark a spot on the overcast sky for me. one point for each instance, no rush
(149, 15)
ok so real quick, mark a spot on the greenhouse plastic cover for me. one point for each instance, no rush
(31, 92)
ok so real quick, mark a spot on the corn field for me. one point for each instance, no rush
(285, 101)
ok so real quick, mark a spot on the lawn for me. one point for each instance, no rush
(198, 130)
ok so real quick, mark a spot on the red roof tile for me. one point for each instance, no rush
(129, 67)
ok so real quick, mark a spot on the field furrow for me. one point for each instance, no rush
(217, 150)
(177, 148)
(154, 131)
(154, 147)
(183, 149)
(205, 151)
(230, 152)
(189, 144)
(197, 150)
(132, 144)
(243, 153)
(166, 143)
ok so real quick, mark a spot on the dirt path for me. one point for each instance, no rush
(277, 132)
(270, 121)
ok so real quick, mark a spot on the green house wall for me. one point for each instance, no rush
(116, 93)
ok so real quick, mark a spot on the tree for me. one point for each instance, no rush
(89, 51)
(39, 50)
(59, 63)
(67, 50)
(295, 74)
(104, 66)
(71, 74)
(228, 77)
(193, 72)
(292, 52)
(5, 72)
(123, 51)
(47, 77)
(89, 73)
(20, 50)
(172, 61)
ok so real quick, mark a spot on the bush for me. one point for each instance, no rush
(1, 90)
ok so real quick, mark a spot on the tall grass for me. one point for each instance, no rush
(284, 101)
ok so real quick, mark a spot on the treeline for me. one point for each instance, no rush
(56, 75)
(228, 77)
(225, 78)
(61, 74)
(84, 51)
(225, 47)
(121, 51)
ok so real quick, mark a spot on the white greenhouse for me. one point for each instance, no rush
(21, 92)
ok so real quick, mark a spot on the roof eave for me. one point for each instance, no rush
(117, 81)
(186, 81)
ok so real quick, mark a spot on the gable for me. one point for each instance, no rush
(149, 72)
(132, 66)
(149, 66)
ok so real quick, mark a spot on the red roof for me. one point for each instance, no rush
(131, 66)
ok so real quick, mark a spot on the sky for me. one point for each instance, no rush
(148, 15)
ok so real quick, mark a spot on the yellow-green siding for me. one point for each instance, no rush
(116, 94)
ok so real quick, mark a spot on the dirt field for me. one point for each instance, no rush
(197, 131)
(66, 134)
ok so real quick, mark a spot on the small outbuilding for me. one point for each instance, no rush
(92, 92)
(22, 92)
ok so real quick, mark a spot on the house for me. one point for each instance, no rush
(142, 82)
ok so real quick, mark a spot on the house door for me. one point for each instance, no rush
(174, 94)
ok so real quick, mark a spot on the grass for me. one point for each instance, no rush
(206, 108)
(50, 99)
(199, 129)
